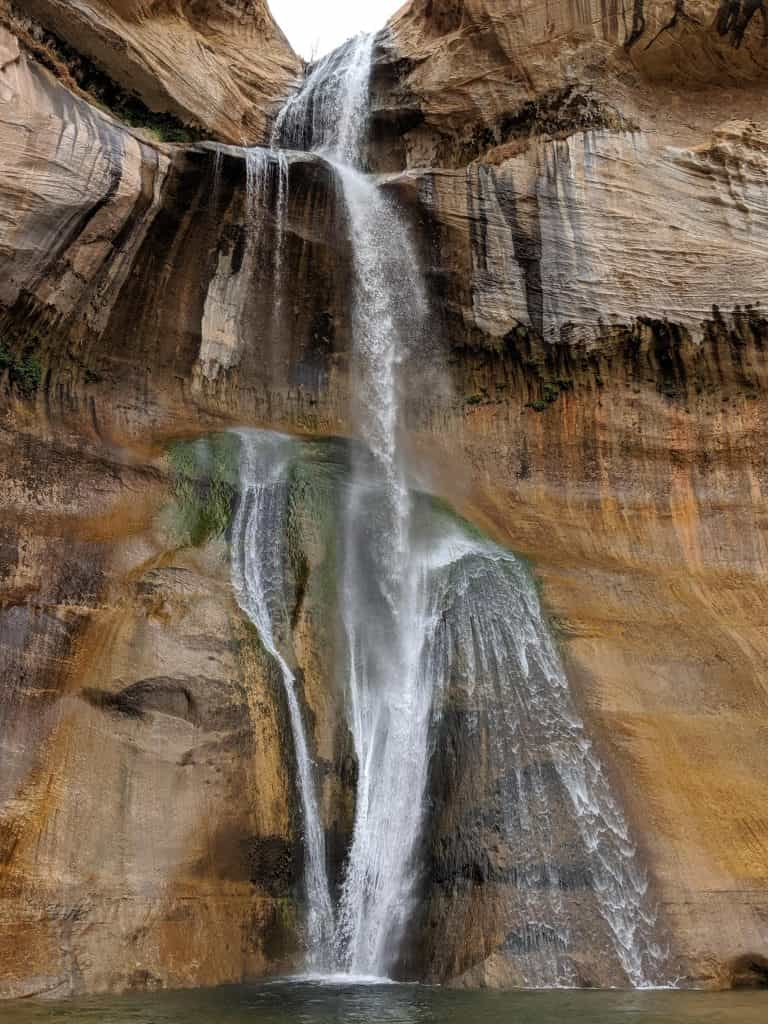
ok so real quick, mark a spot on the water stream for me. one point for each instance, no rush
(329, 114)
(425, 606)
(260, 581)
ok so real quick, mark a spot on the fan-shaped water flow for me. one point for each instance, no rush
(489, 637)
(260, 580)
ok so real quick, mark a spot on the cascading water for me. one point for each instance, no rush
(420, 607)
(389, 700)
(259, 576)
(329, 113)
(489, 638)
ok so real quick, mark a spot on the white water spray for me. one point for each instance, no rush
(329, 114)
(383, 592)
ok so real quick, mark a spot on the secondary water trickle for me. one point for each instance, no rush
(259, 560)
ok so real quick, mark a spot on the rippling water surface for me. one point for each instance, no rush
(321, 1003)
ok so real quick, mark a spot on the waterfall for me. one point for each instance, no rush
(389, 700)
(259, 576)
(383, 594)
(425, 605)
(329, 113)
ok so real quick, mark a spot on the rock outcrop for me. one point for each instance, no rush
(589, 189)
(461, 77)
(578, 260)
(180, 67)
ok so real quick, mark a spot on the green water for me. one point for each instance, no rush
(307, 1003)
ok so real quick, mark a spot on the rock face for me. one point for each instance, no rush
(589, 189)
(605, 379)
(145, 791)
(217, 67)
(467, 75)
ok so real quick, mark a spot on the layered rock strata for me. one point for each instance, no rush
(177, 67)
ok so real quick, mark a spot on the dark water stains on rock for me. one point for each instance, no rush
(730, 359)
(735, 16)
(162, 695)
(748, 971)
(270, 863)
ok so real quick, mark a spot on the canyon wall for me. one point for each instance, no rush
(588, 187)
(186, 68)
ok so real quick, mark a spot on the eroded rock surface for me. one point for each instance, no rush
(457, 78)
(219, 67)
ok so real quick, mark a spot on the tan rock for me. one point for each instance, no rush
(471, 74)
(147, 825)
(221, 67)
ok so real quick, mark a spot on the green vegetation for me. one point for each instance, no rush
(163, 127)
(205, 486)
(316, 480)
(550, 392)
(430, 509)
(481, 397)
(24, 371)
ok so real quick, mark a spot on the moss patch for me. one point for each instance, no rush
(19, 357)
(205, 475)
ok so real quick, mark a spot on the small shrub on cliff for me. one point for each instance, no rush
(27, 375)
(24, 372)
(550, 392)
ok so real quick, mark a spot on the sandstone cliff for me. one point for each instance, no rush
(471, 74)
(589, 187)
(217, 69)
